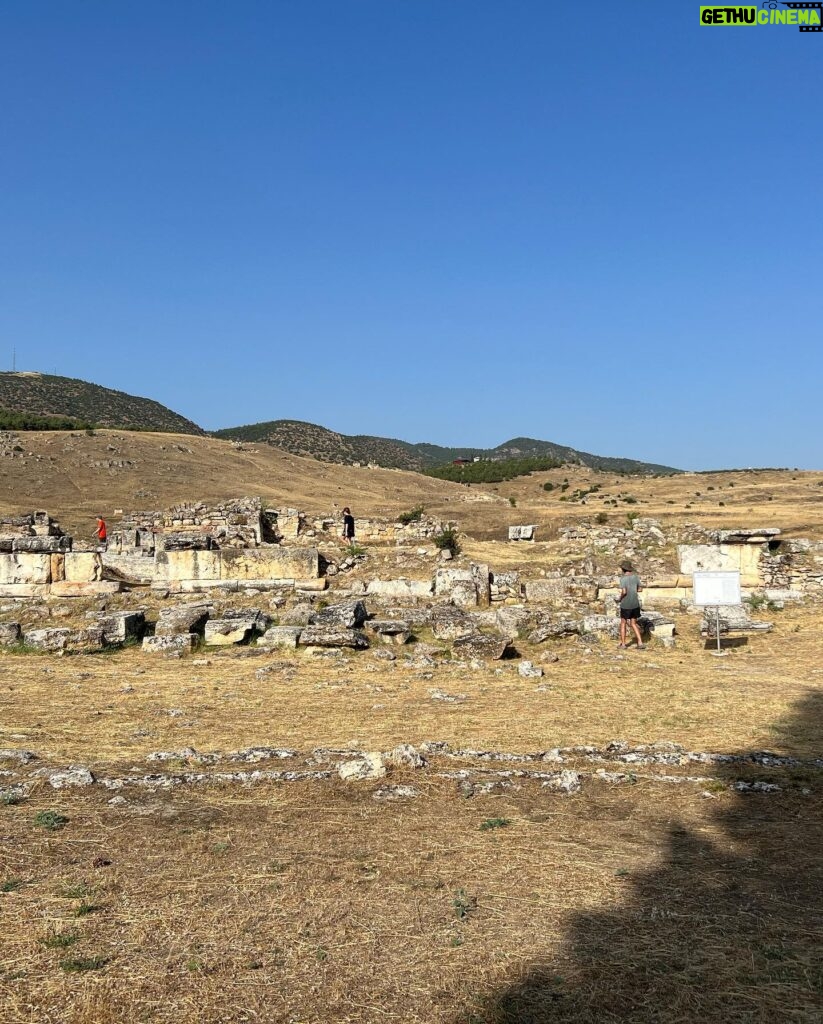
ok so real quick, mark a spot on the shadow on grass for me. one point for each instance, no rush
(728, 929)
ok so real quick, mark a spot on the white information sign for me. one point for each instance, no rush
(714, 588)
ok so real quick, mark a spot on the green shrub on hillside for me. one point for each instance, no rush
(488, 472)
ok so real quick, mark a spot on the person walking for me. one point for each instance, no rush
(629, 601)
(348, 526)
(102, 534)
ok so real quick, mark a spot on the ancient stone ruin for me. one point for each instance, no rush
(242, 548)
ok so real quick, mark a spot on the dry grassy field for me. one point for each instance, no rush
(657, 892)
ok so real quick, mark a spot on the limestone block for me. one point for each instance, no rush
(88, 639)
(350, 614)
(552, 630)
(235, 627)
(224, 632)
(749, 556)
(24, 590)
(390, 631)
(66, 588)
(42, 544)
(333, 636)
(163, 644)
(314, 585)
(400, 588)
(9, 633)
(733, 618)
(450, 623)
(132, 568)
(25, 567)
(745, 536)
(82, 567)
(482, 582)
(270, 562)
(187, 540)
(58, 568)
(709, 558)
(784, 595)
(478, 645)
(182, 620)
(608, 624)
(546, 590)
(445, 580)
(280, 636)
(512, 619)
(119, 626)
(522, 532)
(299, 615)
(187, 565)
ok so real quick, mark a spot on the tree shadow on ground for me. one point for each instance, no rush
(727, 929)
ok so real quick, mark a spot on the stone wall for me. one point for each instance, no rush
(270, 564)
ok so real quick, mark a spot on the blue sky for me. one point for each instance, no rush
(458, 222)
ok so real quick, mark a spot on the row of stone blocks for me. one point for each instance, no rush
(184, 626)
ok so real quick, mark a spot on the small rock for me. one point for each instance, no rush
(406, 754)
(172, 643)
(74, 776)
(448, 698)
(370, 766)
(528, 671)
(567, 781)
(396, 793)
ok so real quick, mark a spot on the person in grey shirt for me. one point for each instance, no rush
(629, 601)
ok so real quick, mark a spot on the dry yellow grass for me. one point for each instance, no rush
(68, 475)
(75, 708)
(312, 902)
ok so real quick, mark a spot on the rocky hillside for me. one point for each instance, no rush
(40, 395)
(329, 446)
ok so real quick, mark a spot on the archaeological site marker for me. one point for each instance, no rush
(716, 590)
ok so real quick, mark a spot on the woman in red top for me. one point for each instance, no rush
(101, 530)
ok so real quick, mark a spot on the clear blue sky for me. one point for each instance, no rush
(454, 221)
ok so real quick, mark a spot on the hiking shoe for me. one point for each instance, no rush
(641, 647)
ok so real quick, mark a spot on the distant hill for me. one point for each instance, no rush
(42, 401)
(327, 445)
(321, 443)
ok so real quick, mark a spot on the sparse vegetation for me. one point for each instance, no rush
(34, 401)
(447, 539)
(78, 964)
(414, 515)
(463, 904)
(492, 472)
(492, 823)
(50, 820)
(60, 939)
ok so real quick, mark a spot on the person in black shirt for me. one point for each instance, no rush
(348, 526)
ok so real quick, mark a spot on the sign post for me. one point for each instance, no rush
(713, 589)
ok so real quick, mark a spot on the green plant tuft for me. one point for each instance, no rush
(491, 823)
(414, 515)
(447, 540)
(50, 820)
